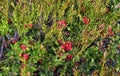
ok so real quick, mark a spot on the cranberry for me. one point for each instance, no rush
(23, 47)
(25, 56)
(62, 23)
(69, 57)
(86, 20)
(67, 46)
(60, 41)
(9, 21)
(109, 28)
(76, 63)
(40, 61)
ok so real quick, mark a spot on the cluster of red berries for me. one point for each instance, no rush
(62, 23)
(25, 56)
(67, 46)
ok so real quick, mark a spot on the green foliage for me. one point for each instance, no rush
(83, 26)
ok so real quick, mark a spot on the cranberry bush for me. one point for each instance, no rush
(59, 37)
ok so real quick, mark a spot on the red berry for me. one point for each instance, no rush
(69, 57)
(23, 47)
(62, 23)
(111, 33)
(60, 41)
(40, 61)
(25, 56)
(9, 21)
(30, 25)
(76, 63)
(109, 28)
(67, 46)
(86, 20)
(63, 46)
